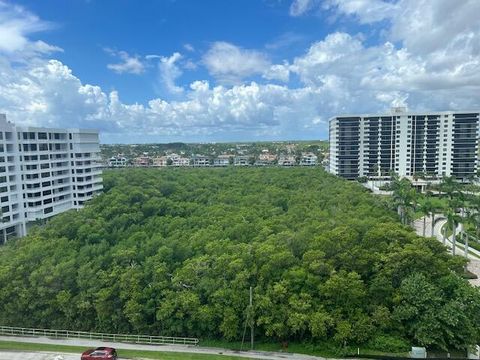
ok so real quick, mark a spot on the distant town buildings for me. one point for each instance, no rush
(308, 159)
(222, 160)
(44, 172)
(200, 160)
(117, 161)
(435, 144)
(143, 160)
(222, 156)
(287, 160)
(160, 161)
(178, 160)
(266, 158)
(241, 160)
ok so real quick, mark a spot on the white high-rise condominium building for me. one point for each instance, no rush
(408, 143)
(44, 172)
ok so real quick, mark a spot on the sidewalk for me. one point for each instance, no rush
(164, 348)
(473, 254)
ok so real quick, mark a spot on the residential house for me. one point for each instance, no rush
(286, 160)
(178, 160)
(242, 160)
(222, 160)
(143, 161)
(200, 160)
(117, 161)
(160, 161)
(265, 158)
(308, 159)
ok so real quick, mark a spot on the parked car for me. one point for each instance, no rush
(100, 353)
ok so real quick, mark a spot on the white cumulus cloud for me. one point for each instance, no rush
(278, 72)
(230, 64)
(366, 11)
(16, 25)
(128, 63)
(300, 7)
(339, 73)
(169, 71)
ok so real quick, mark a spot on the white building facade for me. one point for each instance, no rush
(118, 161)
(222, 160)
(44, 172)
(434, 144)
(308, 159)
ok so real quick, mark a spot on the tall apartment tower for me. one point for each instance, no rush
(44, 172)
(408, 143)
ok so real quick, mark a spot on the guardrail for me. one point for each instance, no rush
(70, 334)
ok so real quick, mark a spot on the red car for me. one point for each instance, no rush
(100, 353)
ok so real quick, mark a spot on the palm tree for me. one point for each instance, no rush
(453, 220)
(410, 202)
(473, 214)
(450, 188)
(444, 235)
(403, 197)
(377, 171)
(433, 211)
(426, 208)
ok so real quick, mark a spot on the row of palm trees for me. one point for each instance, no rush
(459, 207)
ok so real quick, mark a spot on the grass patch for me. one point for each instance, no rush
(316, 349)
(460, 243)
(130, 354)
(323, 349)
(472, 243)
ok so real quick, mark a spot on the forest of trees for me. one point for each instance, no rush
(174, 252)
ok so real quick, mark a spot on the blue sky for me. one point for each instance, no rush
(236, 70)
(85, 29)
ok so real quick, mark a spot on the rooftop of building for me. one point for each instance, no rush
(402, 111)
(4, 123)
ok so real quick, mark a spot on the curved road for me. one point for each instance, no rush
(473, 254)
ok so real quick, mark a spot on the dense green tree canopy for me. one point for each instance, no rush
(174, 252)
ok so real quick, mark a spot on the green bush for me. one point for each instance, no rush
(388, 343)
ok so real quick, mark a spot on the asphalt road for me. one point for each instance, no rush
(474, 257)
(264, 355)
(19, 355)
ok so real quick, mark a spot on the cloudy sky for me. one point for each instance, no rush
(246, 70)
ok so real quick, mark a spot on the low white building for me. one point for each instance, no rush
(160, 161)
(243, 160)
(286, 160)
(222, 160)
(117, 161)
(143, 161)
(308, 159)
(178, 160)
(200, 160)
(44, 172)
(265, 158)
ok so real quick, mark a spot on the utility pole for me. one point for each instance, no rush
(251, 319)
